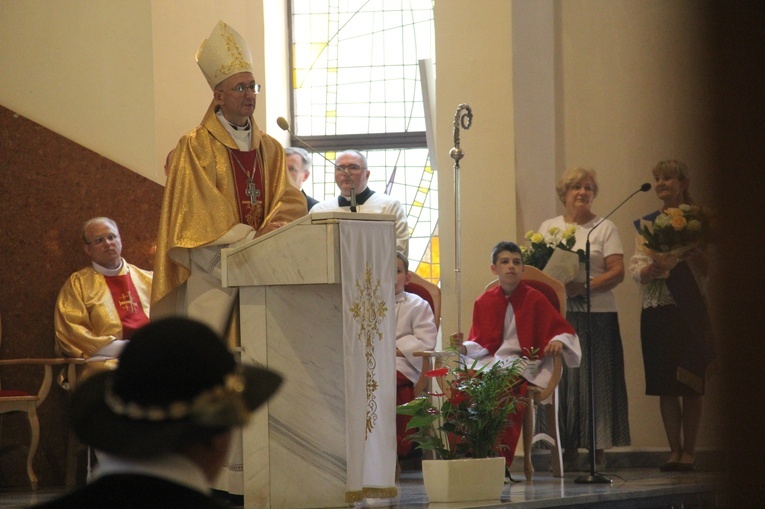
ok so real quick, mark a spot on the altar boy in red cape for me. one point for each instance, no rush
(509, 321)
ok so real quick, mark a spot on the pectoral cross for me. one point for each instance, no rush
(127, 302)
(252, 191)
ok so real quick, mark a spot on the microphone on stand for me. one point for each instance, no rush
(594, 478)
(285, 126)
(644, 188)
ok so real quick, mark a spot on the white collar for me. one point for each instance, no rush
(243, 137)
(109, 272)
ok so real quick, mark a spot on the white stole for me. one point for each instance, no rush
(367, 261)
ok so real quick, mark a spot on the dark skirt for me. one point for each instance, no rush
(665, 338)
(612, 425)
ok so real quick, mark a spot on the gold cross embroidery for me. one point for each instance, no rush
(127, 302)
(369, 310)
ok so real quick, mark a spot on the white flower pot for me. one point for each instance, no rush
(464, 479)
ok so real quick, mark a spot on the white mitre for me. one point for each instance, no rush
(223, 54)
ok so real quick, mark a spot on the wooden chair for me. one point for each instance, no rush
(12, 400)
(428, 291)
(555, 291)
(432, 294)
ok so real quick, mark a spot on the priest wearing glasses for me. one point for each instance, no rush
(351, 177)
(100, 306)
(227, 184)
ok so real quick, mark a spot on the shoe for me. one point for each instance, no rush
(685, 467)
(508, 477)
(670, 466)
(570, 455)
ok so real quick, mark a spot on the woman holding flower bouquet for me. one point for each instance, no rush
(675, 330)
(577, 189)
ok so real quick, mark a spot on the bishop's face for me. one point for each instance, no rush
(236, 97)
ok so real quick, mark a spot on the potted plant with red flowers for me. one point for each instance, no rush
(462, 423)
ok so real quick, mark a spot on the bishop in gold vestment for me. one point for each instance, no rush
(227, 184)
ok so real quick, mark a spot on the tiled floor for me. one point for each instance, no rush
(641, 487)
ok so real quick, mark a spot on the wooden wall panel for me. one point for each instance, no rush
(49, 186)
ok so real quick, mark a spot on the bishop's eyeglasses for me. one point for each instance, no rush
(242, 88)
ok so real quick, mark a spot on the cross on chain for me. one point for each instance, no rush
(127, 302)
(252, 191)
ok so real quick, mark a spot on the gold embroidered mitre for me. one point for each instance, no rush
(223, 54)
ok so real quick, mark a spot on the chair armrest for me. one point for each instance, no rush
(555, 377)
(429, 358)
(53, 361)
(47, 363)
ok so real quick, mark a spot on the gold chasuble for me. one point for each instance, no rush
(205, 205)
(93, 310)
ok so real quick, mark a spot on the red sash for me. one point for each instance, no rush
(127, 302)
(244, 165)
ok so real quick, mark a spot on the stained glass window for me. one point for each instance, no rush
(356, 85)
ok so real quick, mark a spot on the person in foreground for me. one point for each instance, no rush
(162, 420)
(509, 320)
(415, 332)
(351, 169)
(577, 188)
(227, 184)
(100, 307)
(675, 328)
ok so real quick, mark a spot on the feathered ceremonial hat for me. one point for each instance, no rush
(223, 54)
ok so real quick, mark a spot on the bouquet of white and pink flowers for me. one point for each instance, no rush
(671, 235)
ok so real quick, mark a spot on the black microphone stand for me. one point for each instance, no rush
(593, 477)
(353, 192)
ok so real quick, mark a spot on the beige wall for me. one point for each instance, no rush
(620, 84)
(83, 70)
(474, 65)
(626, 86)
(636, 90)
(119, 77)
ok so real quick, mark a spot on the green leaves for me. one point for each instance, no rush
(473, 410)
(541, 247)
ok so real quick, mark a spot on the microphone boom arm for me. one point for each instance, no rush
(285, 126)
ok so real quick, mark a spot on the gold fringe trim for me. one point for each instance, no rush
(354, 496)
(358, 496)
(380, 492)
(691, 380)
